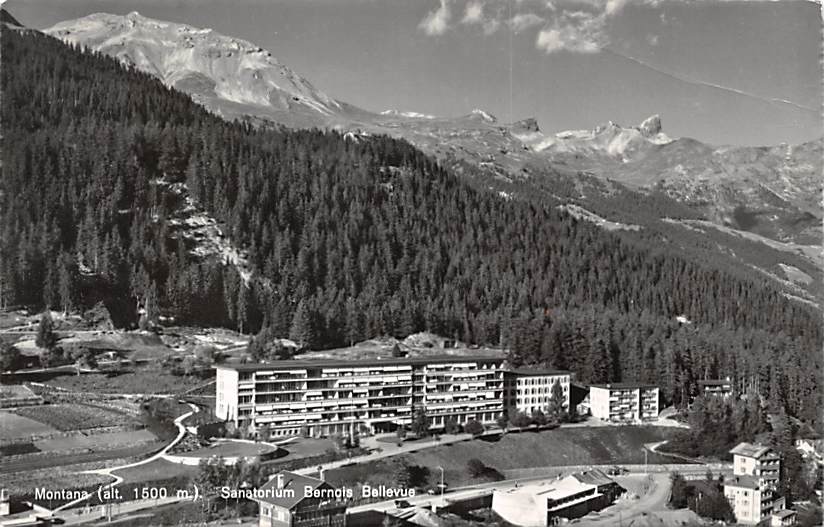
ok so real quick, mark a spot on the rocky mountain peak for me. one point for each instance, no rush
(529, 124)
(222, 72)
(651, 126)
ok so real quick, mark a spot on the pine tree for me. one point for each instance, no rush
(66, 279)
(46, 338)
(303, 328)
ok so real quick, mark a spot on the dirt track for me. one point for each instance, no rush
(653, 492)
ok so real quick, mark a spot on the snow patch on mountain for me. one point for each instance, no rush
(484, 115)
(411, 115)
(581, 213)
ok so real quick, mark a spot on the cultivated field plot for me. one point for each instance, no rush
(15, 426)
(143, 380)
(43, 460)
(95, 441)
(24, 484)
(14, 391)
(67, 417)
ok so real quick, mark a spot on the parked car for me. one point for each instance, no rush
(617, 471)
(402, 504)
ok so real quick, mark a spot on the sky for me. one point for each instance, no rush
(723, 72)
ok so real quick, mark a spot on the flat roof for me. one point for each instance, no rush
(555, 490)
(747, 482)
(623, 385)
(593, 477)
(784, 513)
(715, 382)
(749, 450)
(332, 363)
(537, 371)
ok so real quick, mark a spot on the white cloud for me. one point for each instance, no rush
(474, 13)
(613, 6)
(579, 26)
(437, 22)
(575, 31)
(523, 21)
(569, 38)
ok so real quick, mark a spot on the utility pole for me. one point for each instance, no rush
(442, 484)
(645, 461)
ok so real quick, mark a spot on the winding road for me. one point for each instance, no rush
(181, 432)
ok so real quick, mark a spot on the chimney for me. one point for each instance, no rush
(321, 473)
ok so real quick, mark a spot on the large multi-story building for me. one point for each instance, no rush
(624, 402)
(374, 396)
(529, 389)
(752, 491)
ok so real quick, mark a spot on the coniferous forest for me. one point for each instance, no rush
(349, 239)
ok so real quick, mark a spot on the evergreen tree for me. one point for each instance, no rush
(420, 423)
(46, 337)
(303, 326)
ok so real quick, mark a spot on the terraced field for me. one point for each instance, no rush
(15, 426)
(67, 417)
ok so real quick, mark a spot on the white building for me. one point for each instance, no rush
(529, 389)
(373, 396)
(624, 402)
(553, 503)
(752, 491)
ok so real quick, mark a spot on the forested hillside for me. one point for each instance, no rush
(346, 239)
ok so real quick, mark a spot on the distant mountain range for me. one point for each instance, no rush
(768, 198)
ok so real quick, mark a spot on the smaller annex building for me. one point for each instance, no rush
(293, 500)
(529, 389)
(553, 503)
(624, 402)
(715, 388)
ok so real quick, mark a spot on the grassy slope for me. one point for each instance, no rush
(563, 446)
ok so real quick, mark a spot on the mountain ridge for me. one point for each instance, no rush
(768, 191)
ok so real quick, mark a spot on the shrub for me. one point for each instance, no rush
(520, 420)
(475, 467)
(474, 427)
(9, 357)
(451, 426)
